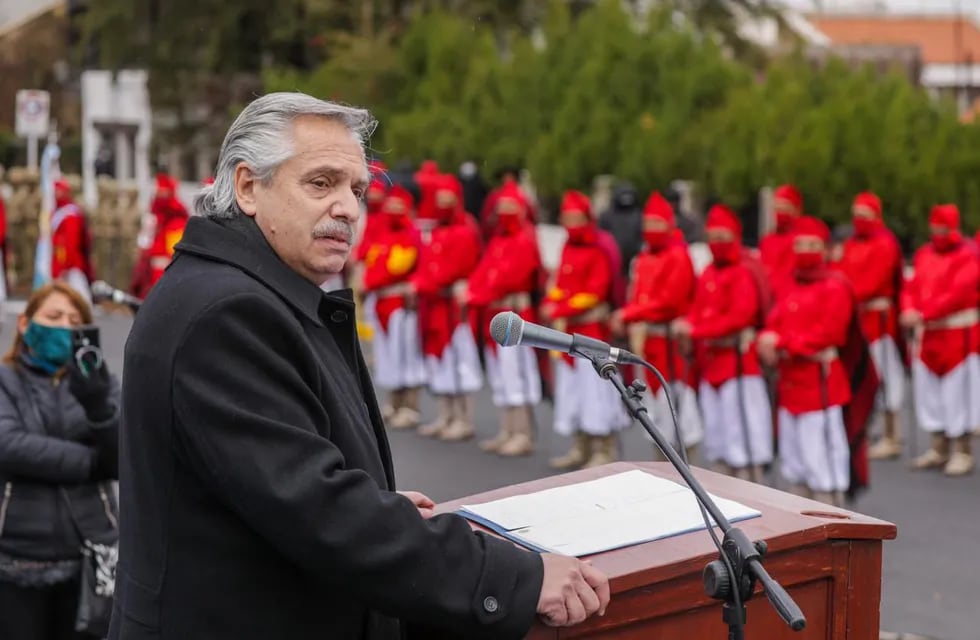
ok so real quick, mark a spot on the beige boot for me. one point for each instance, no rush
(503, 435)
(603, 451)
(800, 490)
(961, 462)
(834, 499)
(461, 427)
(752, 474)
(576, 456)
(391, 404)
(520, 442)
(407, 416)
(722, 468)
(444, 415)
(936, 457)
(890, 445)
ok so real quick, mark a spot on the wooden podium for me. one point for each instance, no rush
(828, 559)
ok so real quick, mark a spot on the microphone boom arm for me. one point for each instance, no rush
(732, 577)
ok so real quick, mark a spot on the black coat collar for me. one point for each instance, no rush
(239, 242)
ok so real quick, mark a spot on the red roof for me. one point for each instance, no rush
(941, 39)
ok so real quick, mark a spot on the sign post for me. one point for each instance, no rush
(33, 118)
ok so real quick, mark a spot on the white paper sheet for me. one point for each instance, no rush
(590, 517)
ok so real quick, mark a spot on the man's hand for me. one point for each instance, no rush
(616, 324)
(572, 591)
(422, 502)
(680, 327)
(681, 330)
(910, 319)
(766, 348)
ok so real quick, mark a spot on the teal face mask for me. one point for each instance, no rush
(50, 346)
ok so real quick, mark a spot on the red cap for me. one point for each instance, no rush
(576, 202)
(658, 207)
(510, 197)
(946, 215)
(721, 217)
(376, 167)
(62, 185)
(790, 195)
(810, 226)
(166, 183)
(870, 201)
(399, 201)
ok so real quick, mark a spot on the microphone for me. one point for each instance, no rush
(103, 291)
(510, 330)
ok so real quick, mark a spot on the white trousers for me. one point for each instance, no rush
(948, 404)
(688, 414)
(585, 402)
(398, 361)
(813, 450)
(458, 370)
(891, 371)
(514, 377)
(726, 438)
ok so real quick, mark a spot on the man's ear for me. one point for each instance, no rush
(245, 183)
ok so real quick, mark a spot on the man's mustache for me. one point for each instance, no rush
(335, 229)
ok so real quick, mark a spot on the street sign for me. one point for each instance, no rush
(33, 113)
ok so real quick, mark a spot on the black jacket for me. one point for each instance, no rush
(624, 220)
(257, 487)
(48, 445)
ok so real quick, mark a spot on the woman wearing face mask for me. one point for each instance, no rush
(58, 454)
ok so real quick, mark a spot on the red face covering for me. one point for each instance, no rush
(864, 228)
(725, 252)
(784, 221)
(946, 215)
(790, 207)
(657, 240)
(947, 242)
(509, 223)
(809, 260)
(585, 234)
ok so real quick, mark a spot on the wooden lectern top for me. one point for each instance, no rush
(788, 524)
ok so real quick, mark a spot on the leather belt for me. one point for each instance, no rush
(959, 320)
(514, 301)
(877, 304)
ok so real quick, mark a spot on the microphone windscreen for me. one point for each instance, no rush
(506, 328)
(102, 290)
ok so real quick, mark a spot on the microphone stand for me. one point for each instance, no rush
(732, 577)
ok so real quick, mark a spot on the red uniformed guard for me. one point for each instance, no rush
(940, 304)
(727, 310)
(70, 241)
(164, 230)
(586, 406)
(776, 248)
(805, 334)
(872, 262)
(448, 343)
(504, 280)
(661, 290)
(374, 223)
(399, 366)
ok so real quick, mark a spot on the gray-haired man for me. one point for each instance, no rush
(258, 498)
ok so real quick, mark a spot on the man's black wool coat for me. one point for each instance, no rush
(257, 491)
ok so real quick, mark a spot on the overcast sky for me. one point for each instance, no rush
(911, 6)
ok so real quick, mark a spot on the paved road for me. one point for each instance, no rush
(931, 573)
